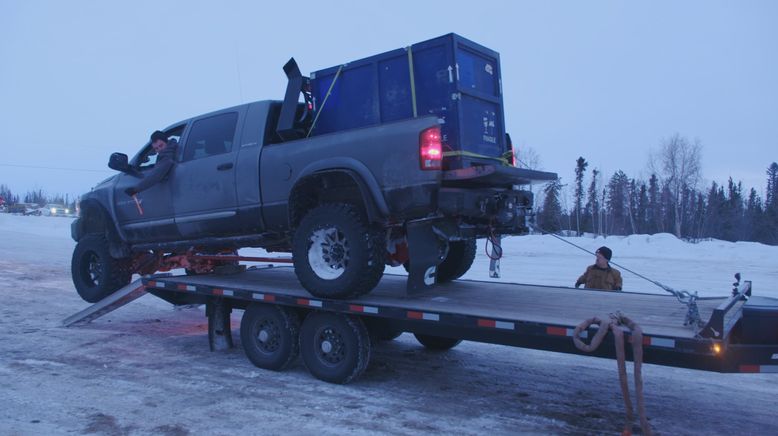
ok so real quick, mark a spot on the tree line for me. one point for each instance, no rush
(669, 201)
(37, 197)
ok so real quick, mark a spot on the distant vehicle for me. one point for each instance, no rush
(53, 209)
(24, 209)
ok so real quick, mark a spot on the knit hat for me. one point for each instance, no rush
(605, 251)
(158, 135)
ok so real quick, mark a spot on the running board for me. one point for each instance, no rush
(108, 304)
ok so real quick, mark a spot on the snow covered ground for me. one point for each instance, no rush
(146, 368)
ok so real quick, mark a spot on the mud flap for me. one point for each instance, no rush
(494, 262)
(219, 326)
(424, 256)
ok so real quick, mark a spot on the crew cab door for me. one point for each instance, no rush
(204, 193)
(151, 219)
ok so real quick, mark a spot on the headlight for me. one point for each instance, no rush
(53, 210)
(67, 210)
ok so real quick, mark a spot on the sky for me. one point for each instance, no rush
(605, 80)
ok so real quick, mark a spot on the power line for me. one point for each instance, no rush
(53, 168)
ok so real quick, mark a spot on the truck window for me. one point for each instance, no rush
(211, 136)
(148, 157)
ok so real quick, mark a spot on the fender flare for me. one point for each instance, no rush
(367, 183)
(91, 207)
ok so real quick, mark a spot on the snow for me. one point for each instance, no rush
(146, 368)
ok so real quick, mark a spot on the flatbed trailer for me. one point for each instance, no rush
(334, 337)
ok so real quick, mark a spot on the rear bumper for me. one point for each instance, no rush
(490, 176)
(487, 211)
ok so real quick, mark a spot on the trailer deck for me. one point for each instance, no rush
(530, 316)
(660, 315)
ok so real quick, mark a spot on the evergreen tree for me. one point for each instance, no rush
(654, 209)
(632, 206)
(550, 217)
(753, 217)
(8, 196)
(580, 168)
(642, 215)
(592, 209)
(666, 210)
(37, 197)
(714, 212)
(617, 202)
(769, 227)
(771, 200)
(732, 213)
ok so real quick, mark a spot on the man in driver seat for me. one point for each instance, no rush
(166, 159)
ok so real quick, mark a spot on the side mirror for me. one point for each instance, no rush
(118, 162)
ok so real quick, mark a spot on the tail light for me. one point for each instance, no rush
(430, 149)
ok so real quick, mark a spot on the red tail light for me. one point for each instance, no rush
(430, 149)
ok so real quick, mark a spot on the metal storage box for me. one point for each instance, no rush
(451, 77)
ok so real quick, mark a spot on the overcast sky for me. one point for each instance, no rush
(603, 80)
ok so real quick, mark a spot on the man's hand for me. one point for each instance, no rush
(130, 191)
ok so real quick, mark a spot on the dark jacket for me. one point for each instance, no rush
(600, 278)
(165, 161)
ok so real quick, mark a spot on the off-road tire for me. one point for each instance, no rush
(458, 261)
(335, 348)
(437, 343)
(349, 265)
(95, 273)
(270, 336)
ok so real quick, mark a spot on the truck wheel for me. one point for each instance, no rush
(95, 273)
(335, 253)
(334, 347)
(437, 342)
(459, 259)
(270, 336)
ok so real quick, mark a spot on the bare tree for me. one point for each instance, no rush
(527, 157)
(678, 164)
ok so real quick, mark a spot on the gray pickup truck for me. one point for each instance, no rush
(345, 204)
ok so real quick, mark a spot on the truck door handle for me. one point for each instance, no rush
(224, 166)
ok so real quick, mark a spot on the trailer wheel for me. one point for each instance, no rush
(270, 335)
(437, 342)
(335, 348)
(459, 259)
(336, 254)
(95, 273)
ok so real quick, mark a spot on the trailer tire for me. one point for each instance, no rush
(270, 336)
(437, 343)
(95, 273)
(459, 259)
(334, 347)
(336, 254)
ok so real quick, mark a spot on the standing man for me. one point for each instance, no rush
(166, 159)
(601, 275)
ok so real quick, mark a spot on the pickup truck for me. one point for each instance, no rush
(344, 204)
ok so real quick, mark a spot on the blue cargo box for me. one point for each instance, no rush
(452, 77)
